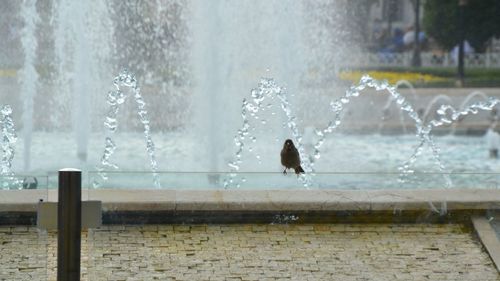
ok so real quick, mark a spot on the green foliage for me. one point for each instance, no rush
(481, 20)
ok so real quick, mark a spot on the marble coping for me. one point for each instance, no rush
(264, 200)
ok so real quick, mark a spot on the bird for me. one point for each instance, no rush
(290, 157)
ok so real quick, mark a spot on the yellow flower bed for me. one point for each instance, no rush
(391, 77)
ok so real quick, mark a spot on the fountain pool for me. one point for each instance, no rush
(348, 161)
(195, 63)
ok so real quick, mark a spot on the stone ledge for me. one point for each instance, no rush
(488, 238)
(266, 200)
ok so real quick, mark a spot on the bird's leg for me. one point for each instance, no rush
(284, 171)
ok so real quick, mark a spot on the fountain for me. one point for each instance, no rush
(9, 138)
(261, 102)
(255, 80)
(80, 34)
(207, 80)
(465, 102)
(224, 65)
(493, 139)
(471, 96)
(445, 115)
(389, 102)
(115, 100)
(28, 76)
(433, 105)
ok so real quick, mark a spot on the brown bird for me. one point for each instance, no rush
(290, 157)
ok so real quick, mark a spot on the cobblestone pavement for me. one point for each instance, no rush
(255, 252)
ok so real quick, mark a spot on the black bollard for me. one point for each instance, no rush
(69, 225)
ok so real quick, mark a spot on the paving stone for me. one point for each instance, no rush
(254, 252)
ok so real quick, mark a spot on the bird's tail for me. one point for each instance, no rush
(299, 170)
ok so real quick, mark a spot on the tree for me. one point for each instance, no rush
(481, 19)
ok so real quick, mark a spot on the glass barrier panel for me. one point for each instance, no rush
(271, 181)
(23, 189)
